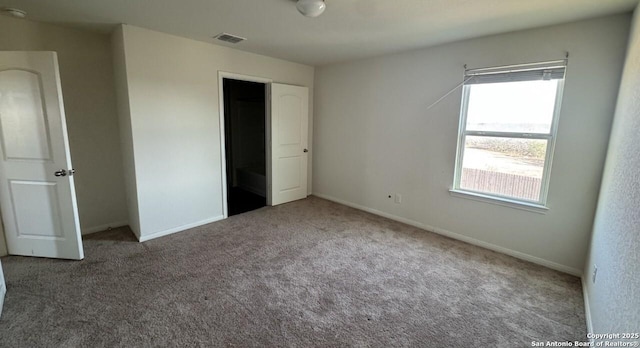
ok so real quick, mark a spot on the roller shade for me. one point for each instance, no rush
(525, 72)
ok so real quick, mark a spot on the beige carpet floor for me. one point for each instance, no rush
(306, 274)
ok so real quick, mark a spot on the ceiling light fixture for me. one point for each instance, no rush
(14, 12)
(311, 8)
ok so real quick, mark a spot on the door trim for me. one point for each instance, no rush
(223, 154)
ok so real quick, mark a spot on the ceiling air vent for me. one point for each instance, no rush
(229, 38)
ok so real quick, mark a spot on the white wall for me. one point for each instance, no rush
(614, 300)
(126, 137)
(374, 137)
(88, 90)
(175, 128)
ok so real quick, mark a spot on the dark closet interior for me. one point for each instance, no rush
(245, 138)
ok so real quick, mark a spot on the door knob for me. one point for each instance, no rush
(61, 172)
(72, 171)
(305, 150)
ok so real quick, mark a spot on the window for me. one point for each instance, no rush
(507, 131)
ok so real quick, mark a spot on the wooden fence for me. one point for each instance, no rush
(511, 185)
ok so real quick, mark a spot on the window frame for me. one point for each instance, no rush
(548, 161)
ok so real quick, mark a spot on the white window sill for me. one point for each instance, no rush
(505, 202)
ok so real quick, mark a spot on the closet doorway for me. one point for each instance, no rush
(245, 132)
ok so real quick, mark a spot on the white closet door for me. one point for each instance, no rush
(289, 142)
(37, 194)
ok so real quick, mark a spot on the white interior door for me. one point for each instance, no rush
(37, 194)
(289, 142)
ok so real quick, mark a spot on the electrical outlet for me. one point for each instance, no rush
(595, 273)
(398, 198)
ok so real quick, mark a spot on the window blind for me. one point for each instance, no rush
(525, 72)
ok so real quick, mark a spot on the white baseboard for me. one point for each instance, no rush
(458, 236)
(587, 307)
(100, 228)
(155, 235)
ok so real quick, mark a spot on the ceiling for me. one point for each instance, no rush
(349, 29)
